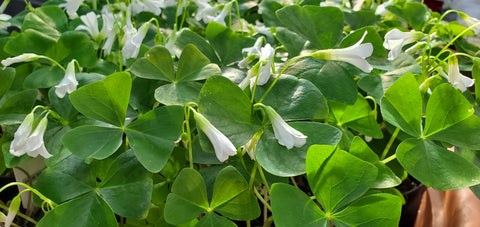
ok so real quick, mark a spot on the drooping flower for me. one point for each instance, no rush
(251, 53)
(207, 12)
(29, 139)
(28, 57)
(285, 134)
(250, 146)
(153, 6)
(68, 83)
(456, 78)
(109, 28)
(12, 210)
(222, 145)
(71, 8)
(4, 24)
(382, 8)
(132, 45)
(396, 39)
(354, 54)
(470, 21)
(262, 70)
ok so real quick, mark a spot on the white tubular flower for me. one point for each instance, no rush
(354, 54)
(71, 7)
(396, 39)
(220, 18)
(132, 45)
(205, 11)
(470, 21)
(382, 8)
(153, 6)
(28, 140)
(91, 25)
(20, 58)
(68, 83)
(266, 58)
(455, 78)
(222, 145)
(12, 210)
(285, 134)
(4, 24)
(251, 51)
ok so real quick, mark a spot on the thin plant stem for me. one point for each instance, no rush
(189, 137)
(389, 144)
(265, 182)
(294, 182)
(453, 40)
(281, 72)
(262, 199)
(252, 175)
(44, 198)
(385, 161)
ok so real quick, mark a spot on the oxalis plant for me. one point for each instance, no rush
(234, 113)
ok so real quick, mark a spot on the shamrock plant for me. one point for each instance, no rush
(234, 113)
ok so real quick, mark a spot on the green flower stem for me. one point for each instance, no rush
(281, 72)
(189, 138)
(20, 214)
(389, 144)
(385, 161)
(252, 175)
(265, 182)
(52, 61)
(44, 198)
(446, 13)
(294, 182)
(238, 15)
(188, 107)
(57, 116)
(262, 199)
(452, 41)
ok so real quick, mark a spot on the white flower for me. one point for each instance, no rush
(4, 24)
(470, 21)
(250, 146)
(382, 8)
(262, 70)
(109, 29)
(91, 25)
(396, 39)
(153, 6)
(456, 78)
(222, 145)
(251, 52)
(354, 54)
(20, 58)
(132, 45)
(12, 210)
(68, 83)
(71, 7)
(285, 134)
(207, 12)
(29, 140)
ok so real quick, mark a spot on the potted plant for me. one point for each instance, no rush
(225, 113)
